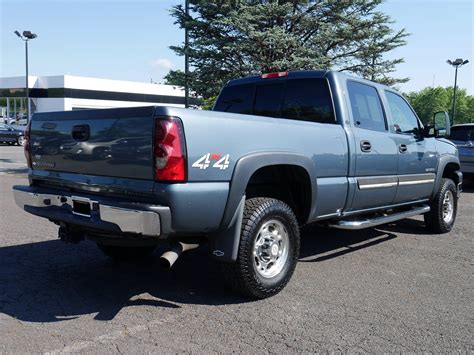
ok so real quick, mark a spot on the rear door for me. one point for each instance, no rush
(376, 149)
(417, 158)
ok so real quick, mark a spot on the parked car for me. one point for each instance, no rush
(278, 151)
(463, 136)
(10, 135)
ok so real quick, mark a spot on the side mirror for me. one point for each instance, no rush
(442, 125)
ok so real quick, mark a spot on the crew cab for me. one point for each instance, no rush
(278, 151)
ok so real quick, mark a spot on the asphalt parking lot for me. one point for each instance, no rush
(392, 289)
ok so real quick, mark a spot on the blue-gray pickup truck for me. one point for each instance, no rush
(278, 151)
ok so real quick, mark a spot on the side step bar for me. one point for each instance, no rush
(376, 221)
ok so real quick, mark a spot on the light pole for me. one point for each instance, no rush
(186, 56)
(27, 35)
(456, 64)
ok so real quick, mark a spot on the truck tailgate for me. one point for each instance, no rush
(110, 142)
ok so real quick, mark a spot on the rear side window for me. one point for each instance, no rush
(236, 99)
(366, 107)
(268, 100)
(463, 134)
(308, 100)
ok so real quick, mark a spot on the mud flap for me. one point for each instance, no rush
(225, 243)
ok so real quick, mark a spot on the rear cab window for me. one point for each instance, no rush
(236, 99)
(297, 99)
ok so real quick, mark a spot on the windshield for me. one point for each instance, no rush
(462, 133)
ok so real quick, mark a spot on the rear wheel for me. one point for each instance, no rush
(443, 208)
(117, 252)
(268, 250)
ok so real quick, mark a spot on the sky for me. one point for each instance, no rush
(130, 39)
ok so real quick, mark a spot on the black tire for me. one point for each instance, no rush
(19, 140)
(121, 253)
(437, 220)
(243, 275)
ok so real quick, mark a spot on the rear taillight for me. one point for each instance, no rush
(26, 145)
(170, 150)
(279, 74)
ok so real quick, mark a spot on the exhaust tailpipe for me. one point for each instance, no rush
(168, 258)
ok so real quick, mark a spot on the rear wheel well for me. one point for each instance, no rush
(288, 183)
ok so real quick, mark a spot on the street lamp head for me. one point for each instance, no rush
(18, 34)
(458, 62)
(29, 35)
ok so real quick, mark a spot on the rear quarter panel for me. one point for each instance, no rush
(220, 134)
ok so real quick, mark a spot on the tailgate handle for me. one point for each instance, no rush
(81, 132)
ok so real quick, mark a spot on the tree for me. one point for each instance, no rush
(430, 100)
(175, 77)
(230, 39)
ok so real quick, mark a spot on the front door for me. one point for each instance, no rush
(417, 158)
(376, 149)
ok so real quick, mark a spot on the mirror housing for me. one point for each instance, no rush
(442, 124)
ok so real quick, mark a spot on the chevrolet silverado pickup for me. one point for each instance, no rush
(278, 151)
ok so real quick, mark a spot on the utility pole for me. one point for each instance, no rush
(186, 56)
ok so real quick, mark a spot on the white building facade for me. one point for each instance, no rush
(67, 92)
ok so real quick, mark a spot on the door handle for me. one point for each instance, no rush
(403, 148)
(365, 146)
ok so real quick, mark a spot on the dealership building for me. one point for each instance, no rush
(67, 92)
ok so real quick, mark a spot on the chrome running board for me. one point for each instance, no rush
(376, 221)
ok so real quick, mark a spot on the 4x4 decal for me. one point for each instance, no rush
(214, 160)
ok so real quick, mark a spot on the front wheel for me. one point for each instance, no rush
(122, 253)
(268, 250)
(443, 208)
(19, 140)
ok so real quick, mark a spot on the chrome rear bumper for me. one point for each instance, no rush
(149, 221)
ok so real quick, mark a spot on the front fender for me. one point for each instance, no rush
(444, 160)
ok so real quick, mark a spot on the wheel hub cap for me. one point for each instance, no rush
(448, 207)
(270, 250)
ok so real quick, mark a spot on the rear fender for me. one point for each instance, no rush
(225, 243)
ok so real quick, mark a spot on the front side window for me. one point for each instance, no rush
(366, 107)
(403, 118)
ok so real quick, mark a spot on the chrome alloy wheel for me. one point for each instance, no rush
(448, 207)
(270, 250)
(20, 140)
